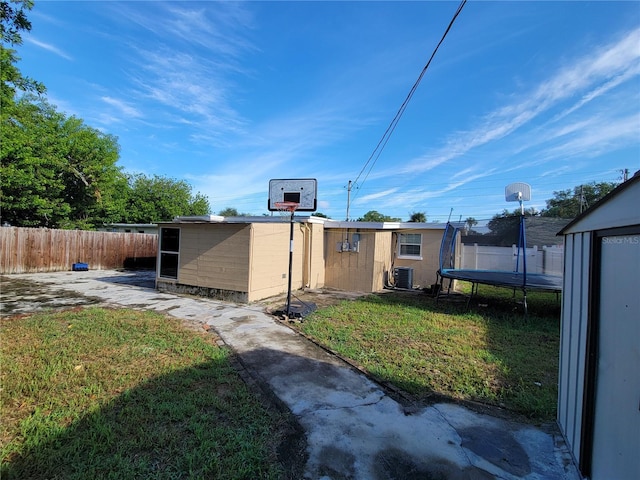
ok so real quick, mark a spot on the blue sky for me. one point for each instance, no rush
(230, 95)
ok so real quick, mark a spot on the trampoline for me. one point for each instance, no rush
(514, 279)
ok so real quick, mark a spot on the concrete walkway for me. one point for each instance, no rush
(354, 429)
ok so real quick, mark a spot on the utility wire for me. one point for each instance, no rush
(373, 158)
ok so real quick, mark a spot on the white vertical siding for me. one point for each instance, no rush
(616, 427)
(575, 307)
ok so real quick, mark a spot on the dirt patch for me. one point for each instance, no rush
(320, 298)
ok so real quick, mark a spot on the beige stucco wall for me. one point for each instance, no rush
(247, 262)
(270, 259)
(252, 259)
(382, 256)
(361, 271)
(269, 264)
(424, 270)
(313, 269)
(367, 269)
(215, 256)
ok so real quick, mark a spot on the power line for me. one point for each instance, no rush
(392, 126)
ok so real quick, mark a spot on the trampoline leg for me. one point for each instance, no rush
(474, 286)
(524, 301)
(440, 290)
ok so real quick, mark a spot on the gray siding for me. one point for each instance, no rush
(573, 334)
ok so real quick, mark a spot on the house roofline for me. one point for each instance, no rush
(327, 222)
(136, 225)
(384, 225)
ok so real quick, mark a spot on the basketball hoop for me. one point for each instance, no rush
(286, 209)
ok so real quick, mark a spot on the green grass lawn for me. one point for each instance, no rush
(100, 393)
(490, 353)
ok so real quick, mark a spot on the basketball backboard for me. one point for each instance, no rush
(517, 192)
(302, 191)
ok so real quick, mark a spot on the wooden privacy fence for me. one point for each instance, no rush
(25, 250)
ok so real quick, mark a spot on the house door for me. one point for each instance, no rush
(616, 427)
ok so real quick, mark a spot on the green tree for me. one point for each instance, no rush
(228, 212)
(469, 223)
(506, 225)
(374, 216)
(570, 203)
(56, 171)
(319, 214)
(158, 198)
(232, 212)
(13, 21)
(418, 217)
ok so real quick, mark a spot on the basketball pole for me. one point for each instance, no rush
(290, 262)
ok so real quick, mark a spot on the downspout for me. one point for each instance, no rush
(394, 251)
(307, 239)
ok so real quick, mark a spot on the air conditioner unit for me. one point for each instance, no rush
(403, 277)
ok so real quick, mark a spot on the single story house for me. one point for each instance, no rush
(247, 258)
(599, 379)
(130, 227)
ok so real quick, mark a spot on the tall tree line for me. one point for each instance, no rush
(58, 172)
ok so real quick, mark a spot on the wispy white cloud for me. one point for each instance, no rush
(599, 90)
(181, 70)
(558, 125)
(597, 137)
(123, 107)
(598, 72)
(49, 47)
(220, 28)
(377, 196)
(416, 198)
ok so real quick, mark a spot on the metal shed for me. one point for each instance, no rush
(599, 377)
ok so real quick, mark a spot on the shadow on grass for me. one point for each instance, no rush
(184, 424)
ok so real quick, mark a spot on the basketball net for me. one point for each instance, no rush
(286, 209)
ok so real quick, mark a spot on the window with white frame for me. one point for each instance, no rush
(410, 245)
(169, 252)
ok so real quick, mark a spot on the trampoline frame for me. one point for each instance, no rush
(499, 278)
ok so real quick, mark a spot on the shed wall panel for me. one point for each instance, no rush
(580, 337)
(616, 418)
(565, 334)
(575, 308)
